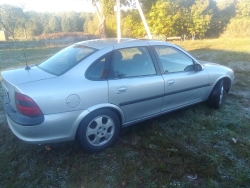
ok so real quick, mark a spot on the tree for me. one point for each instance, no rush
(239, 26)
(243, 9)
(133, 25)
(91, 25)
(200, 17)
(65, 24)
(101, 18)
(223, 11)
(110, 17)
(54, 24)
(32, 24)
(80, 21)
(11, 18)
(34, 28)
(162, 18)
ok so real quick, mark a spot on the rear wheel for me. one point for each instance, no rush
(216, 97)
(99, 130)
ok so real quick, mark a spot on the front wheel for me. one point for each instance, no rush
(99, 130)
(216, 97)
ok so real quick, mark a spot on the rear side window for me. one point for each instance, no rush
(132, 62)
(99, 69)
(67, 58)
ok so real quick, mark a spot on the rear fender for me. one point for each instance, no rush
(114, 108)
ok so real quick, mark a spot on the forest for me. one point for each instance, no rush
(191, 19)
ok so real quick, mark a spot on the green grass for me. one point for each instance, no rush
(191, 147)
(15, 57)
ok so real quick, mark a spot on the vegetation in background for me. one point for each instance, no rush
(239, 25)
(192, 18)
(11, 18)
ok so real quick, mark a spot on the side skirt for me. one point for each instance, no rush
(158, 114)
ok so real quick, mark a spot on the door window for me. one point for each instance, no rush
(173, 60)
(99, 69)
(131, 62)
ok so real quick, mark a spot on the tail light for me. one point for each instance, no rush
(26, 106)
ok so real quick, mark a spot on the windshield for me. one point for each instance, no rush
(67, 58)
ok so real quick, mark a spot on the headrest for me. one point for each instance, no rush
(138, 58)
(118, 55)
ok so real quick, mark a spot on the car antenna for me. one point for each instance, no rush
(24, 54)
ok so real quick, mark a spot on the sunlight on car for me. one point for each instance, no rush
(91, 90)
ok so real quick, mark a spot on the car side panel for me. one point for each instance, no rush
(143, 95)
(185, 88)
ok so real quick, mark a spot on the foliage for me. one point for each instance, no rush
(108, 7)
(223, 11)
(70, 22)
(162, 19)
(186, 18)
(91, 25)
(11, 18)
(200, 17)
(33, 25)
(180, 17)
(54, 24)
(243, 9)
(238, 28)
(133, 25)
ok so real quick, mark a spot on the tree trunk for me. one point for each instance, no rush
(193, 36)
(102, 28)
(25, 34)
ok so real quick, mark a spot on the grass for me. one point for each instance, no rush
(191, 147)
(15, 57)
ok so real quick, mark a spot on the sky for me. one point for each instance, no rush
(52, 5)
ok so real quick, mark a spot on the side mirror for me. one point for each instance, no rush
(198, 67)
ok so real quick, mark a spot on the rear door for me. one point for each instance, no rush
(183, 84)
(135, 85)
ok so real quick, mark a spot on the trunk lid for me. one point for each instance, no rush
(15, 77)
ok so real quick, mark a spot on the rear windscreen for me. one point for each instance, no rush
(67, 58)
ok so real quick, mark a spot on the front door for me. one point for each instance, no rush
(183, 84)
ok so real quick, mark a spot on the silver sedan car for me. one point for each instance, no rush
(92, 89)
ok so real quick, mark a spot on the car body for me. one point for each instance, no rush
(93, 88)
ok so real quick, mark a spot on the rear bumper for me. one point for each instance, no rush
(55, 128)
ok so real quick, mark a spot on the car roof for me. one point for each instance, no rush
(103, 43)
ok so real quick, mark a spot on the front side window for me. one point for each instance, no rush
(131, 62)
(67, 58)
(173, 60)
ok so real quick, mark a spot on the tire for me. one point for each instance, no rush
(216, 96)
(99, 130)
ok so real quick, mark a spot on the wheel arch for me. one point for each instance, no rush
(111, 107)
(227, 83)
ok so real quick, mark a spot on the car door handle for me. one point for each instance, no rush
(171, 82)
(121, 90)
